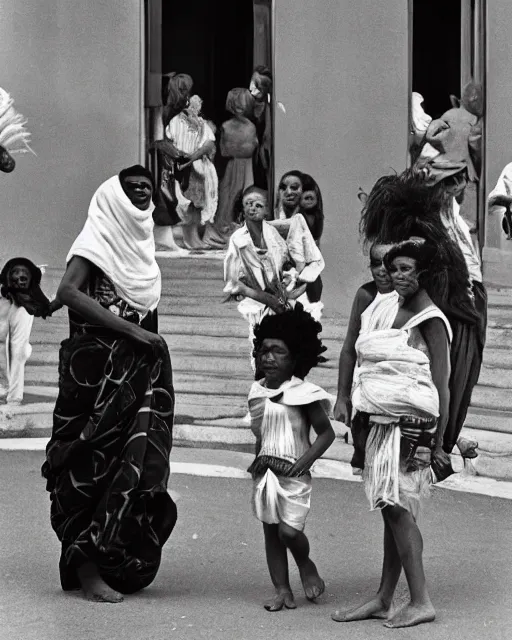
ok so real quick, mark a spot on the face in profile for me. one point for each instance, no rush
(7, 162)
(380, 274)
(139, 190)
(404, 276)
(19, 277)
(255, 207)
(259, 86)
(290, 191)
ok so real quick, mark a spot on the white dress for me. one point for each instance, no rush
(189, 137)
(393, 385)
(280, 424)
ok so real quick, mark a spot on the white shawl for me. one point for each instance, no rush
(393, 378)
(118, 239)
(284, 432)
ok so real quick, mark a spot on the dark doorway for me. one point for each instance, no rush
(436, 62)
(213, 42)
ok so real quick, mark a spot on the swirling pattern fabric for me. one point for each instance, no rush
(107, 463)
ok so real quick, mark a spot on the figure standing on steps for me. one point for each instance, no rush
(107, 462)
(312, 209)
(401, 391)
(261, 271)
(261, 90)
(283, 409)
(196, 181)
(450, 162)
(297, 228)
(176, 97)
(238, 142)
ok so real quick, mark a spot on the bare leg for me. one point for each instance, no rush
(164, 239)
(277, 561)
(410, 548)
(298, 544)
(378, 607)
(191, 238)
(94, 587)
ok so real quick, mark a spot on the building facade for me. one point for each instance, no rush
(80, 71)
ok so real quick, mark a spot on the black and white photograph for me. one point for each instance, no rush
(256, 319)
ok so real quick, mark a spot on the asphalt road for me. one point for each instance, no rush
(213, 578)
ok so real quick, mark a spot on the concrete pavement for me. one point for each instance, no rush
(213, 578)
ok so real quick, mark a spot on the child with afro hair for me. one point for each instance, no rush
(283, 409)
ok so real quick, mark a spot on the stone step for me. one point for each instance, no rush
(489, 420)
(498, 348)
(494, 460)
(491, 398)
(207, 398)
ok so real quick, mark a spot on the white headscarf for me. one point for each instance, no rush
(118, 239)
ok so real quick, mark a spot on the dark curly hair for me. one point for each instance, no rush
(400, 206)
(419, 250)
(299, 331)
(403, 205)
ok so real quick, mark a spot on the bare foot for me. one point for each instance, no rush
(374, 608)
(94, 587)
(283, 598)
(312, 583)
(411, 615)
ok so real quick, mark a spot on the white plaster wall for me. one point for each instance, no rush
(73, 67)
(341, 72)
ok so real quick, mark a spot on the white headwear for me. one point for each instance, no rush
(13, 135)
(118, 238)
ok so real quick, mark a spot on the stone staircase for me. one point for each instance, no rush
(212, 374)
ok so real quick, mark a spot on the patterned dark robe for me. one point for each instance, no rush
(107, 463)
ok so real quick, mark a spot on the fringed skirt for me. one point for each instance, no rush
(397, 467)
(277, 499)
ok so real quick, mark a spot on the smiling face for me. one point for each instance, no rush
(275, 361)
(139, 190)
(404, 276)
(380, 274)
(290, 192)
(255, 207)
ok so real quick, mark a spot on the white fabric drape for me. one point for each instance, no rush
(393, 378)
(118, 239)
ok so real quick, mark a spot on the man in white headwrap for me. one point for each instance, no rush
(107, 463)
